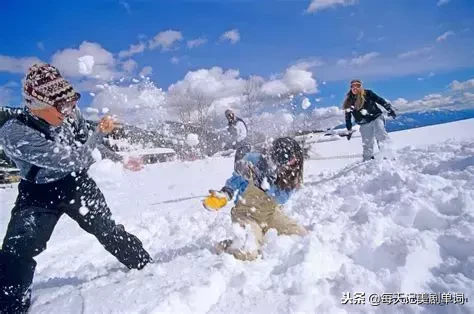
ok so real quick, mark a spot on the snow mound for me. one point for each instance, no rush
(400, 225)
(106, 171)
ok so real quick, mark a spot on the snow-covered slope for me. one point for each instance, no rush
(385, 226)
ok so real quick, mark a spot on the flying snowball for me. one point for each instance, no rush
(192, 139)
(86, 63)
(305, 104)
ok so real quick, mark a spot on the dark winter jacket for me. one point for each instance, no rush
(369, 111)
(51, 153)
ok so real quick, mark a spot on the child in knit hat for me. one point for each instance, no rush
(52, 146)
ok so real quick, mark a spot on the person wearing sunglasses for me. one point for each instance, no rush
(361, 104)
(51, 145)
(263, 182)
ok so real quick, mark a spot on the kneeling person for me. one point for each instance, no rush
(263, 183)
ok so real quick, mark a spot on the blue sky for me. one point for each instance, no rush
(400, 48)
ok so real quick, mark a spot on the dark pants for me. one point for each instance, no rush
(241, 149)
(33, 218)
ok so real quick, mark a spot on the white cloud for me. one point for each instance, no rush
(429, 102)
(130, 65)
(275, 123)
(126, 6)
(450, 58)
(457, 86)
(360, 36)
(16, 65)
(134, 49)
(360, 60)
(364, 58)
(6, 93)
(6, 96)
(174, 60)
(196, 42)
(40, 45)
(430, 75)
(233, 36)
(295, 80)
(67, 61)
(146, 71)
(214, 83)
(138, 103)
(165, 40)
(318, 5)
(442, 2)
(444, 36)
(308, 63)
(416, 52)
(469, 96)
(435, 102)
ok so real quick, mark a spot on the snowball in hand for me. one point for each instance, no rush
(86, 63)
(192, 139)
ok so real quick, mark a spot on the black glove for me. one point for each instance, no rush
(392, 113)
(349, 135)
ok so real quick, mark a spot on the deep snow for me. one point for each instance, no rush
(386, 226)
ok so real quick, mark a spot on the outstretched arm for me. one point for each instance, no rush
(24, 143)
(381, 101)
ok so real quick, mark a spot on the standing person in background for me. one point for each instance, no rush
(51, 146)
(361, 104)
(238, 135)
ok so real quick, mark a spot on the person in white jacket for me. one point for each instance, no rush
(238, 131)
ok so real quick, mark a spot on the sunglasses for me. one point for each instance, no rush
(66, 107)
(356, 85)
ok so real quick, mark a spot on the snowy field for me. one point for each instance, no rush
(385, 226)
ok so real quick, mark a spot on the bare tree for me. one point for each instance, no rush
(191, 106)
(202, 106)
(253, 100)
(181, 105)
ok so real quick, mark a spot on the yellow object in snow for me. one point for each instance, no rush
(214, 202)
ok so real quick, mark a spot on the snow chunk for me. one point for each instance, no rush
(305, 104)
(83, 210)
(107, 172)
(192, 139)
(96, 155)
(86, 64)
(92, 110)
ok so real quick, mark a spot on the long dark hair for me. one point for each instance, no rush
(289, 177)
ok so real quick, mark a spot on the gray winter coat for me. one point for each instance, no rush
(65, 149)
